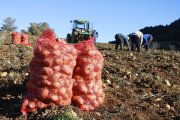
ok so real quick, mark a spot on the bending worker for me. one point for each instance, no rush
(120, 39)
(147, 39)
(136, 40)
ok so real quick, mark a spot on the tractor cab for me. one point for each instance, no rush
(82, 24)
(82, 30)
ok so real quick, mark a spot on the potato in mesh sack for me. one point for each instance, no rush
(51, 71)
(15, 38)
(87, 89)
(24, 40)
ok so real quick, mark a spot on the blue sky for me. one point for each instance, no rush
(108, 16)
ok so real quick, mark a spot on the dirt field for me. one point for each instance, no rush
(138, 86)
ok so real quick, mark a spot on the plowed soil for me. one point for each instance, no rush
(138, 86)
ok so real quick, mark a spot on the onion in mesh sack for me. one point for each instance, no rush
(87, 89)
(51, 71)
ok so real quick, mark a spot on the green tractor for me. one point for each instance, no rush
(82, 30)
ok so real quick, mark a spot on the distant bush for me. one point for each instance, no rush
(172, 47)
(5, 38)
(155, 45)
(112, 42)
(37, 28)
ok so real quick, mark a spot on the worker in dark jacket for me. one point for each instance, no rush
(120, 39)
(147, 39)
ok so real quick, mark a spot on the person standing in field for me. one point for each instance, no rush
(95, 35)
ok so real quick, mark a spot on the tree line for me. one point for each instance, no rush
(161, 33)
(34, 29)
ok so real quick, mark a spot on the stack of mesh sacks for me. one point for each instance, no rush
(61, 72)
(87, 90)
(51, 71)
(15, 38)
(18, 38)
(24, 40)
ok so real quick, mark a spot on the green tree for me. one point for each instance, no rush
(37, 28)
(9, 24)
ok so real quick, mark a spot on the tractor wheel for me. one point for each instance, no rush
(86, 37)
(68, 38)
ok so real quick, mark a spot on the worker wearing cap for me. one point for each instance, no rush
(136, 40)
(120, 39)
(147, 39)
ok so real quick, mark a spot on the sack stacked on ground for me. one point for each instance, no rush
(18, 38)
(87, 89)
(51, 72)
(24, 40)
(15, 38)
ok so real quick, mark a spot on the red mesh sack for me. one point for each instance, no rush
(15, 38)
(24, 39)
(87, 89)
(51, 71)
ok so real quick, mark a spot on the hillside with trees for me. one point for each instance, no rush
(165, 33)
(165, 36)
(33, 29)
(168, 36)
